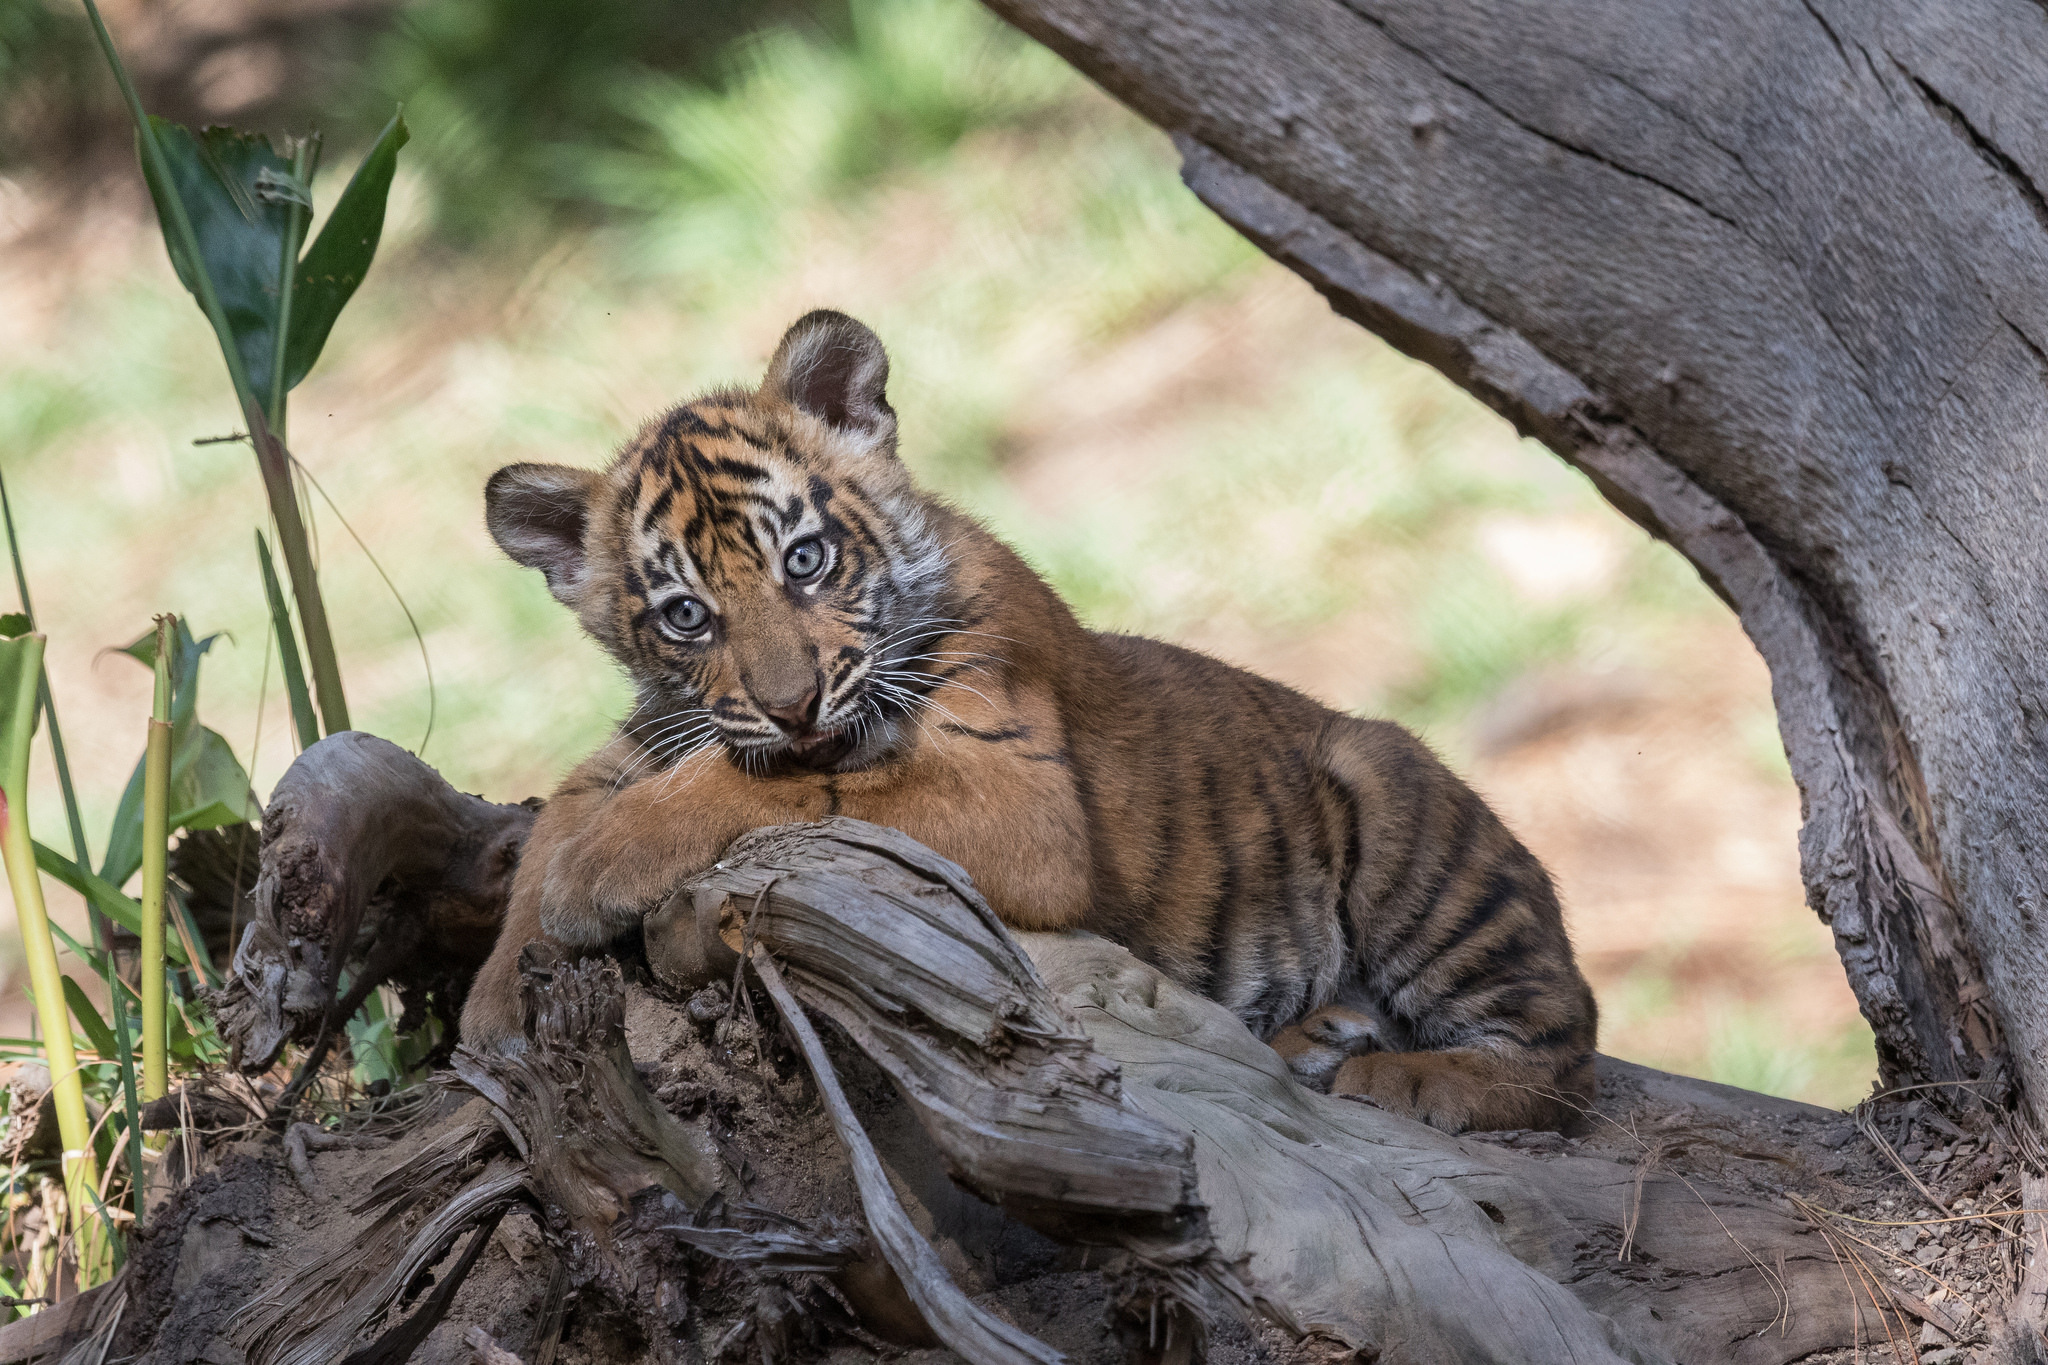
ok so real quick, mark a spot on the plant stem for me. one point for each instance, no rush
(271, 460)
(303, 722)
(102, 930)
(275, 464)
(156, 834)
(101, 937)
(17, 847)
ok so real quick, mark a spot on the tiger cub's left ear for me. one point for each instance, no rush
(836, 370)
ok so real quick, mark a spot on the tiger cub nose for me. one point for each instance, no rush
(795, 715)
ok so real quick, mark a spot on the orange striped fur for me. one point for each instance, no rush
(811, 635)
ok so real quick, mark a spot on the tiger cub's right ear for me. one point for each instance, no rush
(538, 514)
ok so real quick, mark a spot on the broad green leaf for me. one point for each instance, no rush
(340, 256)
(208, 787)
(230, 185)
(96, 1030)
(15, 623)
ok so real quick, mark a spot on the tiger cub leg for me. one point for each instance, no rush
(1462, 948)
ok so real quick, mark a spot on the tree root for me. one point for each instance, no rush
(365, 851)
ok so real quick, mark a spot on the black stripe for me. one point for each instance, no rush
(987, 736)
(655, 508)
(1500, 890)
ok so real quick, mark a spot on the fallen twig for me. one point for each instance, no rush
(966, 1328)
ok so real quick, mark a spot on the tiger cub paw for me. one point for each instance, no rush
(1457, 1091)
(1316, 1046)
(593, 893)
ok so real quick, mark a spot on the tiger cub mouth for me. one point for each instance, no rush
(819, 748)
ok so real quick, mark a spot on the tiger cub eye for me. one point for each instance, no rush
(804, 560)
(686, 616)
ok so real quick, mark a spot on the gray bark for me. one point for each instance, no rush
(1775, 276)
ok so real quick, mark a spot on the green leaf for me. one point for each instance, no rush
(340, 256)
(112, 902)
(228, 183)
(21, 663)
(208, 787)
(96, 1030)
(15, 623)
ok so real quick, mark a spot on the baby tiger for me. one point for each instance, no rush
(810, 635)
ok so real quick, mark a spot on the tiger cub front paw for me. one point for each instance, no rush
(594, 893)
(1316, 1046)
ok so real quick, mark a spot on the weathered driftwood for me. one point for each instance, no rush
(627, 1194)
(1074, 1098)
(975, 1334)
(1059, 1079)
(371, 862)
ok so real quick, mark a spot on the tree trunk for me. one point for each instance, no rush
(1775, 277)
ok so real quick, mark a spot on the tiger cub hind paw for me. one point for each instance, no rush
(1460, 1091)
(1316, 1046)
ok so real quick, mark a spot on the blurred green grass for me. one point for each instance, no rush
(1045, 285)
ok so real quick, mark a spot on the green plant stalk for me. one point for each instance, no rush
(271, 461)
(156, 836)
(74, 1127)
(100, 934)
(303, 723)
(275, 466)
(304, 160)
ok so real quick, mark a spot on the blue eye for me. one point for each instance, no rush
(686, 616)
(805, 560)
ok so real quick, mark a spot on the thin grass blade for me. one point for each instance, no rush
(304, 724)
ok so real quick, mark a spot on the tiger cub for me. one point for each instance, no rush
(810, 635)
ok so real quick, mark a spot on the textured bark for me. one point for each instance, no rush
(372, 862)
(1088, 1095)
(1077, 1090)
(1774, 276)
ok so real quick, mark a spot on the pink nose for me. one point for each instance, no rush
(797, 714)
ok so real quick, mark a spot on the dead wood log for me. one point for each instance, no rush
(1064, 1082)
(373, 863)
(1074, 1105)
(627, 1194)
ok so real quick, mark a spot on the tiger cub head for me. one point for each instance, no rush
(759, 561)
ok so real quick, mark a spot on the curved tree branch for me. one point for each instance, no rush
(1772, 276)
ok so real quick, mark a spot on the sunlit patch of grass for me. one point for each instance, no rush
(1753, 1049)
(1476, 637)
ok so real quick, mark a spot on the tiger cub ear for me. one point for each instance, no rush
(538, 513)
(836, 370)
